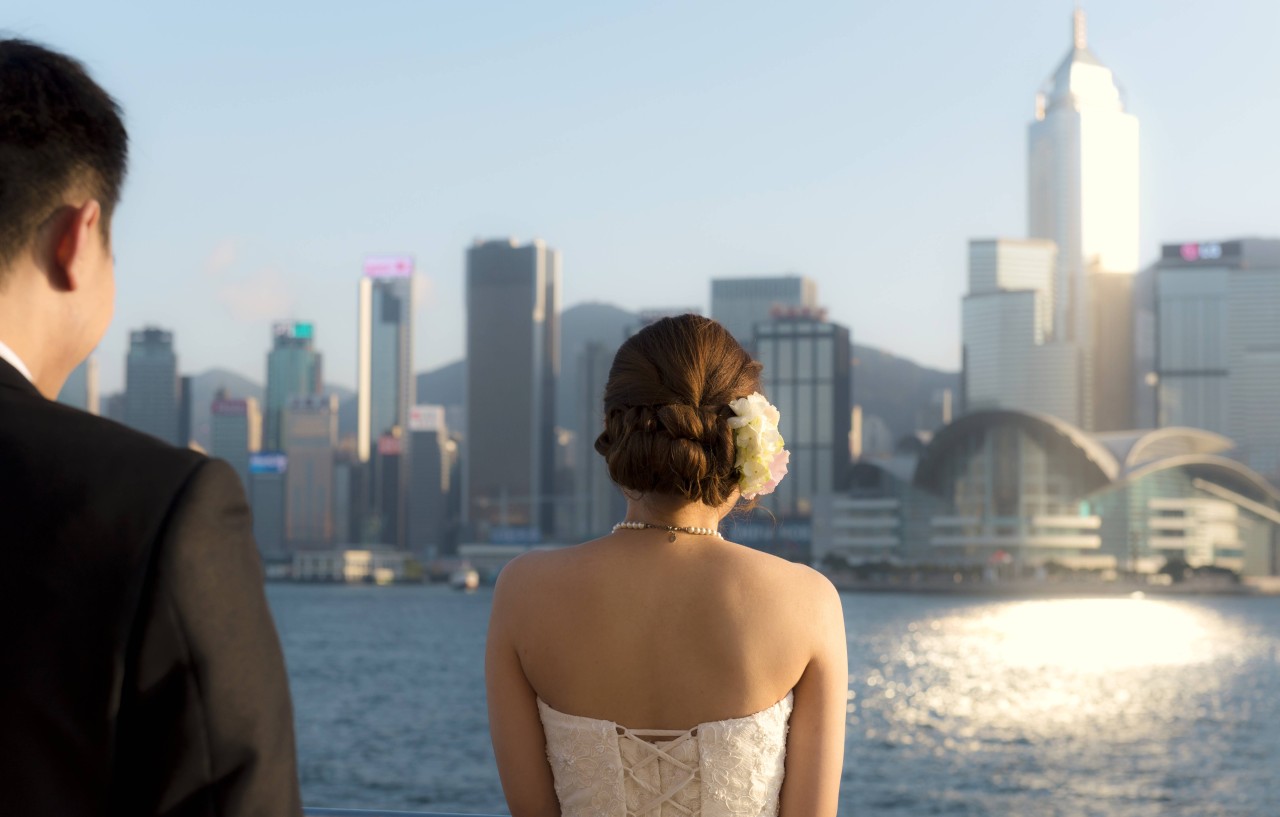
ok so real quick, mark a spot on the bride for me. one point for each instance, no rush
(661, 670)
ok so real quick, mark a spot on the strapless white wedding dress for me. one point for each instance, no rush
(729, 768)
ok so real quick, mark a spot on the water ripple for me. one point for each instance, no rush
(1116, 707)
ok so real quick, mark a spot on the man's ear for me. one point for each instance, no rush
(75, 244)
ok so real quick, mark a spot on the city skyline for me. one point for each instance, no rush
(851, 151)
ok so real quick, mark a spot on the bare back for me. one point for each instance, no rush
(641, 631)
(659, 635)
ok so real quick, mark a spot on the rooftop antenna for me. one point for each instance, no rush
(1078, 37)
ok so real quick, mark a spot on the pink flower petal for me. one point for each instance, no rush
(777, 470)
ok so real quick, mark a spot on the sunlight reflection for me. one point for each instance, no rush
(1097, 635)
(1039, 674)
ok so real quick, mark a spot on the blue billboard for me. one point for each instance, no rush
(268, 462)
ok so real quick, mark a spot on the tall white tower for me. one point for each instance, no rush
(1083, 195)
(384, 349)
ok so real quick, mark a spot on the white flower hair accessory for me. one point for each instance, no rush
(761, 460)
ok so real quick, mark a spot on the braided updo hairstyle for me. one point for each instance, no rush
(666, 409)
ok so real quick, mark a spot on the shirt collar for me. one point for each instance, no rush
(11, 357)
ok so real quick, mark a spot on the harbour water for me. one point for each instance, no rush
(958, 706)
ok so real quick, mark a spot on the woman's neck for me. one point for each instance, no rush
(673, 511)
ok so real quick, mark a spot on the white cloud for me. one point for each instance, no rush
(221, 259)
(264, 295)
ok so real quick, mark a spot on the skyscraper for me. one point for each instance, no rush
(1011, 359)
(186, 394)
(806, 375)
(599, 502)
(1083, 196)
(431, 462)
(740, 303)
(384, 364)
(267, 473)
(385, 389)
(513, 359)
(293, 370)
(1218, 343)
(81, 388)
(310, 439)
(390, 470)
(151, 385)
(235, 432)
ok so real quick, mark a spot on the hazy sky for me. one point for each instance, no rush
(657, 145)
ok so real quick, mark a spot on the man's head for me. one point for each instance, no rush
(63, 153)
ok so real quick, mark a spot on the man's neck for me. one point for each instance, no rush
(30, 353)
(8, 355)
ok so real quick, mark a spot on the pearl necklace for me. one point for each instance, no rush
(671, 530)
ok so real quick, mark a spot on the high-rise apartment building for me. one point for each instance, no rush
(268, 471)
(740, 303)
(599, 503)
(310, 440)
(390, 489)
(1011, 358)
(344, 468)
(235, 432)
(81, 389)
(1144, 349)
(431, 455)
(113, 406)
(513, 359)
(151, 385)
(293, 370)
(384, 365)
(1083, 196)
(1217, 362)
(186, 409)
(385, 389)
(806, 375)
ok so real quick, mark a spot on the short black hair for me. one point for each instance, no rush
(58, 129)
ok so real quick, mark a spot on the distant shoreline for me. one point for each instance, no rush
(1033, 590)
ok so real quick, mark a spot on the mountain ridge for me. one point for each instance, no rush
(893, 388)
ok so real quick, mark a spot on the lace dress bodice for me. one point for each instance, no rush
(730, 768)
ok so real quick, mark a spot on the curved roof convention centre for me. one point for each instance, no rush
(1105, 459)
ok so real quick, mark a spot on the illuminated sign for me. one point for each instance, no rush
(389, 446)
(388, 266)
(426, 418)
(268, 462)
(514, 535)
(804, 313)
(230, 408)
(305, 331)
(1200, 252)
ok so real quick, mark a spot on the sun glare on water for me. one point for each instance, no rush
(1051, 667)
(1096, 635)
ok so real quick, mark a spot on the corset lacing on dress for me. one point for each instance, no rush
(729, 768)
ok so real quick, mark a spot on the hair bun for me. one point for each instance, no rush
(666, 404)
(684, 422)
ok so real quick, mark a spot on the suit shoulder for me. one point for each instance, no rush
(91, 433)
(75, 453)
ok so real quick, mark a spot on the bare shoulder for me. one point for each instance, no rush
(814, 591)
(827, 607)
(524, 570)
(533, 574)
(818, 585)
(782, 573)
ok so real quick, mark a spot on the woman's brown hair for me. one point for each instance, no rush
(666, 409)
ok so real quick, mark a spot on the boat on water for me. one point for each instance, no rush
(464, 578)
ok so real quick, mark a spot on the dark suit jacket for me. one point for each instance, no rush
(140, 671)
